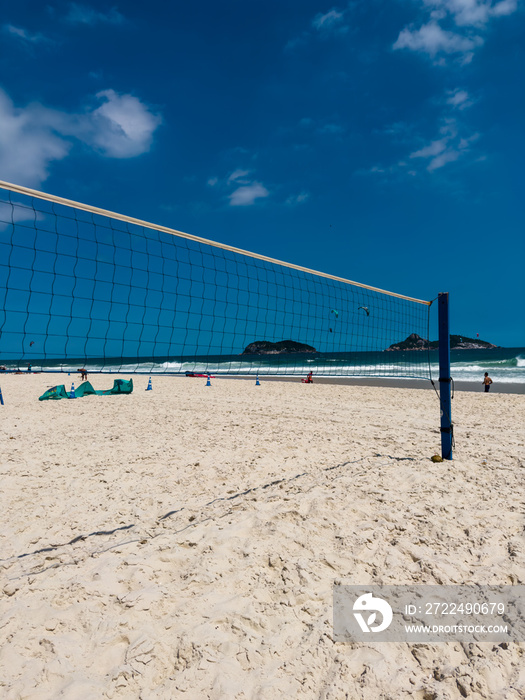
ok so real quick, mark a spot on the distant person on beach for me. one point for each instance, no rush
(487, 381)
(309, 379)
(83, 373)
(29, 367)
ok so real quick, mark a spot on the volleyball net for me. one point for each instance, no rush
(85, 287)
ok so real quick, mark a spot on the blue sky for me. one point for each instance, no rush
(380, 141)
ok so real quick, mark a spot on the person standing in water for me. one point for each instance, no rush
(487, 381)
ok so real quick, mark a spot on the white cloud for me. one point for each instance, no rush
(467, 15)
(465, 12)
(16, 212)
(122, 127)
(27, 144)
(505, 7)
(447, 149)
(239, 187)
(472, 13)
(325, 25)
(239, 176)
(459, 99)
(442, 159)
(451, 142)
(297, 199)
(449, 127)
(247, 194)
(23, 34)
(82, 14)
(432, 39)
(33, 137)
(465, 142)
(330, 21)
(432, 149)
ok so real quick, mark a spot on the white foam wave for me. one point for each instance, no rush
(460, 371)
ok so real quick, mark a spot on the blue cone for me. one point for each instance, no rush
(149, 387)
(208, 383)
(1, 398)
(257, 382)
(72, 392)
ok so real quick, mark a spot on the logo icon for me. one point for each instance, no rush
(367, 602)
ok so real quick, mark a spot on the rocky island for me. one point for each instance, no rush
(457, 342)
(265, 347)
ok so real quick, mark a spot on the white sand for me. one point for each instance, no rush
(233, 598)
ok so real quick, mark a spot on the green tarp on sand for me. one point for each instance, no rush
(56, 392)
(84, 390)
(120, 386)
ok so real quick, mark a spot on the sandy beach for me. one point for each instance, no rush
(184, 542)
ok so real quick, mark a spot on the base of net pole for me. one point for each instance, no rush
(445, 380)
(1, 398)
(149, 387)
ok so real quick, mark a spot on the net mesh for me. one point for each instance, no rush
(79, 289)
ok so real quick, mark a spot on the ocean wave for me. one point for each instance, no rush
(505, 370)
(512, 362)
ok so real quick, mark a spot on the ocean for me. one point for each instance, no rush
(504, 365)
